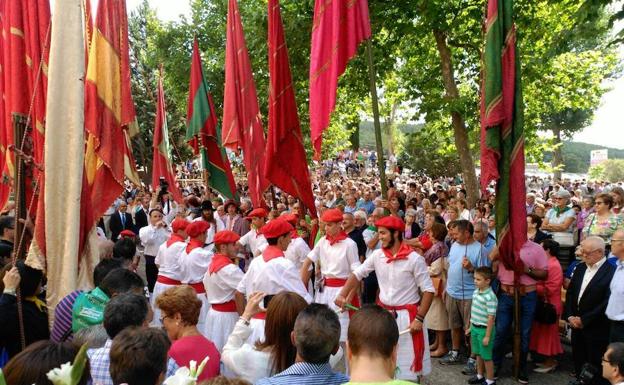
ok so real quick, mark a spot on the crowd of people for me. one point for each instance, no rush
(376, 290)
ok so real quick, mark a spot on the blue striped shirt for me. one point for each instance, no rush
(303, 373)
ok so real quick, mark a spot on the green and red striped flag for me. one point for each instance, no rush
(502, 133)
(203, 132)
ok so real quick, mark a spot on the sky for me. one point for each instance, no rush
(606, 130)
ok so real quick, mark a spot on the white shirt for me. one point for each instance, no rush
(279, 274)
(168, 260)
(254, 242)
(221, 285)
(400, 280)
(615, 308)
(152, 237)
(338, 260)
(587, 277)
(368, 234)
(243, 359)
(194, 265)
(297, 252)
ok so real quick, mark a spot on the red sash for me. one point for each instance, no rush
(341, 236)
(261, 315)
(272, 252)
(174, 238)
(193, 244)
(418, 340)
(403, 252)
(199, 287)
(219, 261)
(227, 307)
(167, 280)
(340, 282)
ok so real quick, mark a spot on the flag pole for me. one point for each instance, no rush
(381, 164)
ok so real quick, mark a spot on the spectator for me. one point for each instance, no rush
(586, 303)
(88, 309)
(534, 223)
(602, 223)
(615, 308)
(123, 311)
(464, 257)
(180, 311)
(34, 310)
(32, 365)
(545, 338)
(62, 327)
(482, 317)
(587, 207)
(412, 229)
(7, 234)
(316, 336)
(613, 364)
(138, 356)
(372, 347)
(94, 336)
(437, 317)
(617, 193)
(559, 220)
(277, 352)
(125, 251)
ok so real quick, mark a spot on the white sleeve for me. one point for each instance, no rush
(234, 355)
(147, 235)
(315, 254)
(302, 252)
(242, 285)
(160, 256)
(352, 256)
(365, 268)
(244, 240)
(233, 277)
(220, 224)
(290, 279)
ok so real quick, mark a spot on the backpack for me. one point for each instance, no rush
(88, 310)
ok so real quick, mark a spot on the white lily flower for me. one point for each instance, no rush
(62, 375)
(182, 376)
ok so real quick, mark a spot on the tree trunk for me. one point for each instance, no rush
(557, 160)
(355, 135)
(459, 125)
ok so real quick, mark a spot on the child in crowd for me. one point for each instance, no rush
(482, 316)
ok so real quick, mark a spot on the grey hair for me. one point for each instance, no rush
(596, 242)
(317, 333)
(94, 336)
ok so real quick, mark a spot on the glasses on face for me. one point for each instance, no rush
(163, 318)
(589, 252)
(605, 360)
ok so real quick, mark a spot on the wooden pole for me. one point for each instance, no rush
(381, 164)
(19, 183)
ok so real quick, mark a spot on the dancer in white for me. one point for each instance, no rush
(338, 257)
(401, 273)
(298, 248)
(271, 273)
(220, 281)
(194, 263)
(167, 260)
(254, 241)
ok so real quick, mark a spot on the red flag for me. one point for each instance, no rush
(26, 28)
(161, 162)
(5, 186)
(242, 127)
(286, 163)
(109, 109)
(339, 27)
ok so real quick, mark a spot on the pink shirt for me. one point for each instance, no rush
(196, 348)
(533, 255)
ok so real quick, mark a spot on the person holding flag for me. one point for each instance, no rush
(194, 262)
(167, 261)
(220, 282)
(338, 257)
(271, 273)
(402, 273)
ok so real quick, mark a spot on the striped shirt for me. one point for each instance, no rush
(62, 328)
(484, 304)
(303, 373)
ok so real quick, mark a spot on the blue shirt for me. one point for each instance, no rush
(368, 206)
(303, 373)
(460, 283)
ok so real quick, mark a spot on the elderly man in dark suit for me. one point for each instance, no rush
(120, 221)
(586, 302)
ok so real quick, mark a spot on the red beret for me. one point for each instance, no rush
(391, 223)
(257, 213)
(290, 218)
(194, 229)
(225, 236)
(275, 228)
(127, 233)
(179, 224)
(332, 215)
